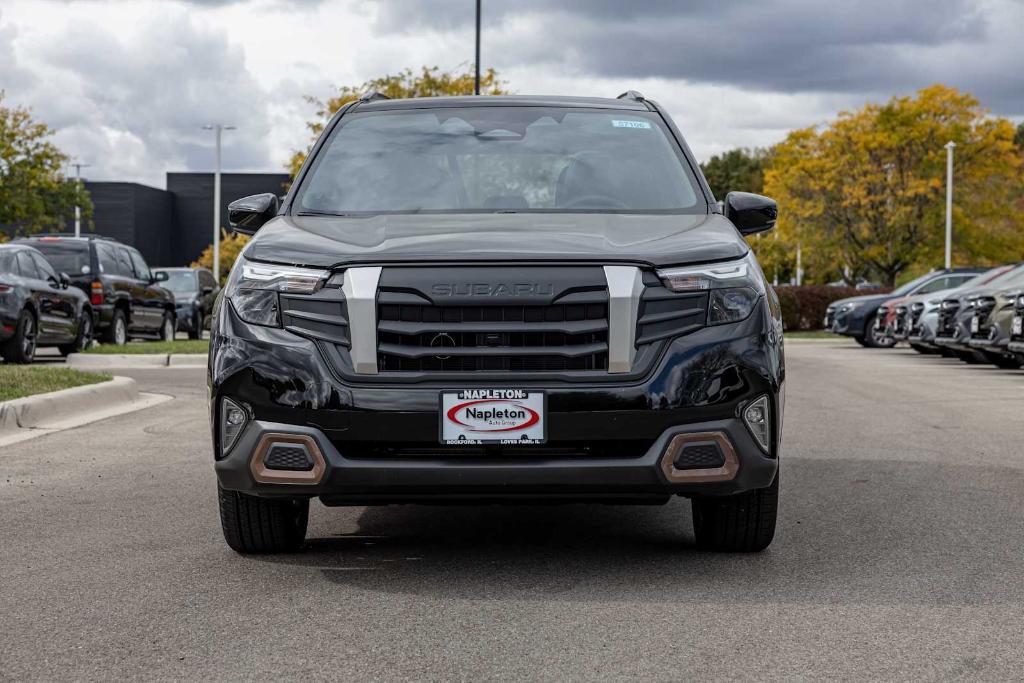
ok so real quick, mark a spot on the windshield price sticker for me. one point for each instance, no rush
(492, 416)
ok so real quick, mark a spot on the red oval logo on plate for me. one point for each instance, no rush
(493, 415)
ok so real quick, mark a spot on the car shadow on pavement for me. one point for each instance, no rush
(888, 533)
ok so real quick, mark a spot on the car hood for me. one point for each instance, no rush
(871, 299)
(655, 240)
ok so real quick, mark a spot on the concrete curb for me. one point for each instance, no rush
(797, 340)
(187, 360)
(43, 410)
(135, 360)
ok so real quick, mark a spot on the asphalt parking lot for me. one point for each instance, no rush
(899, 554)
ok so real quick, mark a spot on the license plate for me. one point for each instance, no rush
(493, 416)
(975, 324)
(1018, 325)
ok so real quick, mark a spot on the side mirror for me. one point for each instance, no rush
(65, 281)
(207, 290)
(751, 213)
(248, 214)
(160, 276)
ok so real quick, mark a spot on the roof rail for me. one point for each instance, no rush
(91, 236)
(373, 96)
(632, 95)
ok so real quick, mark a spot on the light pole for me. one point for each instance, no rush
(78, 209)
(217, 129)
(476, 86)
(949, 204)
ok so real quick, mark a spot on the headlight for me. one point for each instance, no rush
(849, 308)
(252, 289)
(733, 287)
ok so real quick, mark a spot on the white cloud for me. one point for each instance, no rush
(128, 85)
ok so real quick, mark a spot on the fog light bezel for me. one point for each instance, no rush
(763, 402)
(225, 441)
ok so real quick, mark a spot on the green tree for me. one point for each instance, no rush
(865, 194)
(738, 169)
(427, 82)
(34, 192)
(1018, 137)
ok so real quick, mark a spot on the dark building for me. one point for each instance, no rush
(171, 227)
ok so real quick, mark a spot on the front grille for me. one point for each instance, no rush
(322, 315)
(901, 323)
(946, 326)
(502, 320)
(916, 311)
(982, 310)
(553, 338)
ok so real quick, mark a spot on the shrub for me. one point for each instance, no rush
(803, 308)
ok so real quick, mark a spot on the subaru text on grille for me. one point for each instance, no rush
(498, 299)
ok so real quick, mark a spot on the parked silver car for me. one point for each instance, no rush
(922, 311)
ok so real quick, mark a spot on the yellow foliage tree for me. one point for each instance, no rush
(427, 82)
(231, 245)
(866, 194)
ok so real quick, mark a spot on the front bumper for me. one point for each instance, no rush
(380, 441)
(185, 316)
(345, 480)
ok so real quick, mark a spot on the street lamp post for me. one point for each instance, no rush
(78, 209)
(217, 129)
(949, 203)
(476, 85)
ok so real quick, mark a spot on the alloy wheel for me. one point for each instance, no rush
(28, 341)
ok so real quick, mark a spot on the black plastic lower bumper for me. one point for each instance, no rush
(358, 481)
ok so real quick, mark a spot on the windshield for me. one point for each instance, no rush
(989, 276)
(180, 281)
(911, 286)
(507, 159)
(66, 257)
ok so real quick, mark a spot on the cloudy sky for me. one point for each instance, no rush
(128, 84)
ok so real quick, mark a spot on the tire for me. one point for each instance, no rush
(117, 333)
(1003, 362)
(262, 525)
(167, 328)
(875, 340)
(741, 523)
(862, 341)
(84, 338)
(969, 357)
(196, 331)
(21, 348)
(922, 349)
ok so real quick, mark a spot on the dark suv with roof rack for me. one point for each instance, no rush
(126, 297)
(498, 299)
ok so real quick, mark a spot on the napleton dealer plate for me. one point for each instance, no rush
(493, 416)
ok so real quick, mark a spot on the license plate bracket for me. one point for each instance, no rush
(473, 417)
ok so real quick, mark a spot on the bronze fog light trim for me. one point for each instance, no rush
(267, 476)
(724, 473)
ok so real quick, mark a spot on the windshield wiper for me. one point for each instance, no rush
(311, 212)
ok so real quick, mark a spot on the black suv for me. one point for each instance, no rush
(37, 308)
(194, 290)
(126, 297)
(498, 299)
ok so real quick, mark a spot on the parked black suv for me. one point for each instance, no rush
(194, 290)
(126, 297)
(498, 299)
(37, 308)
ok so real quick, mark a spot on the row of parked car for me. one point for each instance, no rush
(974, 314)
(62, 291)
